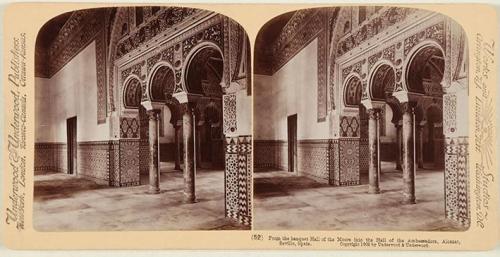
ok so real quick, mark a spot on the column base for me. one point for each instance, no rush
(373, 190)
(409, 201)
(190, 199)
(153, 191)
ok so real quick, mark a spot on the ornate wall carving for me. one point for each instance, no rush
(376, 25)
(435, 32)
(449, 113)
(229, 110)
(166, 19)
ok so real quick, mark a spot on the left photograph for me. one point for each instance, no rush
(143, 121)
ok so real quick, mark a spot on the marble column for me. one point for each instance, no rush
(189, 162)
(398, 145)
(154, 170)
(198, 145)
(408, 154)
(177, 143)
(420, 145)
(373, 146)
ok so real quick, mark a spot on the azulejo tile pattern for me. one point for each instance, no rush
(50, 157)
(271, 154)
(93, 161)
(129, 127)
(349, 126)
(456, 177)
(313, 158)
(239, 178)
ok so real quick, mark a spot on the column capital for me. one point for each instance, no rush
(374, 113)
(408, 107)
(153, 114)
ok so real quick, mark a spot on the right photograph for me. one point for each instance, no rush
(361, 121)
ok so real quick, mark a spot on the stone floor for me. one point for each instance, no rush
(67, 203)
(284, 201)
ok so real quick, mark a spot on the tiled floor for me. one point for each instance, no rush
(284, 201)
(67, 203)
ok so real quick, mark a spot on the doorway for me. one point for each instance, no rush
(71, 142)
(292, 143)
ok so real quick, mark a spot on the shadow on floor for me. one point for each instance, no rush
(62, 186)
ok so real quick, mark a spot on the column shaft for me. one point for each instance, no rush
(398, 146)
(154, 171)
(420, 146)
(177, 148)
(188, 142)
(408, 155)
(373, 141)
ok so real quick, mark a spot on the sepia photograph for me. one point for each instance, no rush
(142, 121)
(363, 121)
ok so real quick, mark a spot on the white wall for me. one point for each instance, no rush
(291, 90)
(72, 91)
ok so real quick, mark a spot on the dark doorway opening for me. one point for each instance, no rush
(71, 142)
(292, 143)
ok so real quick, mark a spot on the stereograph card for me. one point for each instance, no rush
(250, 126)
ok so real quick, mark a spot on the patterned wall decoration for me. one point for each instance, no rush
(135, 69)
(129, 127)
(212, 34)
(376, 25)
(353, 92)
(354, 68)
(132, 94)
(229, 110)
(364, 157)
(114, 163)
(449, 113)
(166, 55)
(271, 154)
(144, 156)
(78, 32)
(349, 162)
(50, 157)
(388, 53)
(238, 178)
(120, 19)
(93, 161)
(313, 158)
(435, 32)
(231, 178)
(166, 19)
(457, 206)
(322, 105)
(344, 161)
(334, 160)
(349, 126)
(129, 162)
(100, 58)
